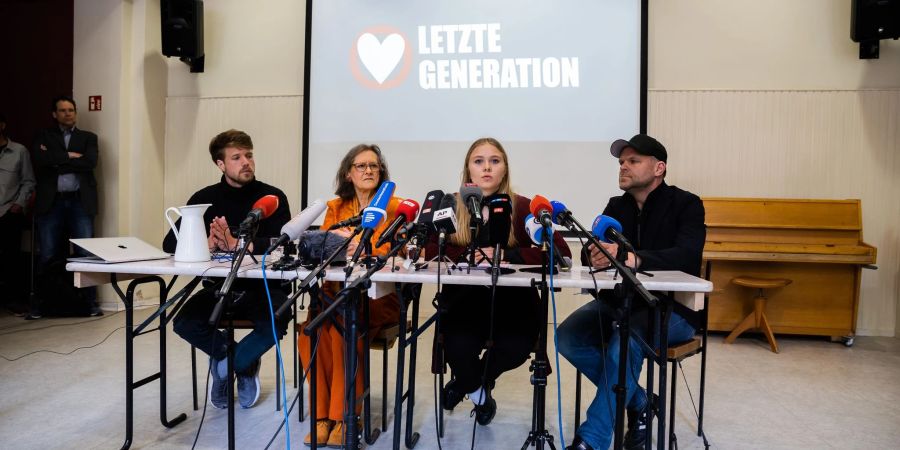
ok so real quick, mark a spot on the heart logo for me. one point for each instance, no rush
(380, 57)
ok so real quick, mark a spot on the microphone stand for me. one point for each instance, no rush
(540, 365)
(625, 291)
(227, 299)
(348, 299)
(473, 247)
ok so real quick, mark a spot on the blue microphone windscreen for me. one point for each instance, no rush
(558, 207)
(601, 223)
(375, 212)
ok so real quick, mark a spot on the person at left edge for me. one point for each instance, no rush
(16, 186)
(232, 198)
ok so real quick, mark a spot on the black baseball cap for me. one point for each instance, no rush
(642, 144)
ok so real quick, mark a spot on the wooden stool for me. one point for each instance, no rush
(757, 319)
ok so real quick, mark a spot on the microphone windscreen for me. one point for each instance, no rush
(430, 205)
(470, 190)
(534, 229)
(558, 208)
(539, 203)
(448, 201)
(601, 224)
(499, 218)
(375, 212)
(303, 219)
(408, 209)
(267, 205)
(311, 249)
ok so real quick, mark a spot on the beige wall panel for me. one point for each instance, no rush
(762, 44)
(274, 123)
(793, 144)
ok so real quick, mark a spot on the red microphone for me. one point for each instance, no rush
(406, 212)
(263, 208)
(542, 210)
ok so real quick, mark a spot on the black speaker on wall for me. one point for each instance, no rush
(182, 31)
(871, 21)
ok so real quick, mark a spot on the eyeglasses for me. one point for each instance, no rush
(361, 167)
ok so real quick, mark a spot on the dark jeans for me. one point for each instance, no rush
(192, 324)
(12, 277)
(466, 329)
(65, 220)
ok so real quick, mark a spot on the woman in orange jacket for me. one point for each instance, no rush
(360, 174)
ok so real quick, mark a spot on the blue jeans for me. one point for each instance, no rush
(581, 337)
(192, 323)
(65, 220)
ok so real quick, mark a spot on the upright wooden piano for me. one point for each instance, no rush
(816, 243)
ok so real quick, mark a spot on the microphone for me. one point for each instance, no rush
(499, 207)
(351, 222)
(406, 212)
(609, 230)
(422, 225)
(372, 215)
(536, 233)
(444, 220)
(542, 210)
(317, 245)
(499, 223)
(262, 209)
(470, 193)
(299, 224)
(560, 212)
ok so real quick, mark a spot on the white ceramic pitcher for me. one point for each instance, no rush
(192, 241)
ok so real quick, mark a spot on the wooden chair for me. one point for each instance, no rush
(757, 318)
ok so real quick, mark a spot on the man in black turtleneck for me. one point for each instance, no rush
(232, 198)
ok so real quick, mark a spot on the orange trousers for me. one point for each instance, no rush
(383, 312)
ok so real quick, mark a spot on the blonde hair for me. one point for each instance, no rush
(462, 236)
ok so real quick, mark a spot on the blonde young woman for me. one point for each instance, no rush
(361, 172)
(467, 319)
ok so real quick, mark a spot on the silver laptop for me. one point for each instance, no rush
(117, 250)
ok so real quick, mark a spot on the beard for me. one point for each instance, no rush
(241, 178)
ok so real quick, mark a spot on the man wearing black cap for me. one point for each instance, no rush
(665, 225)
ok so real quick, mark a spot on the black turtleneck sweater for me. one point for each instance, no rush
(233, 204)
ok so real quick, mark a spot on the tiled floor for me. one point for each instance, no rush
(814, 394)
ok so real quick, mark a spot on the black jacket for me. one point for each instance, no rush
(668, 233)
(233, 204)
(51, 158)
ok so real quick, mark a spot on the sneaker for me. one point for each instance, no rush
(450, 396)
(248, 386)
(578, 444)
(33, 316)
(96, 311)
(636, 435)
(323, 432)
(218, 389)
(485, 412)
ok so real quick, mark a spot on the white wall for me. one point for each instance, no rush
(117, 55)
(762, 45)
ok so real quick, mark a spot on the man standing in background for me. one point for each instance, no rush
(65, 158)
(16, 186)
